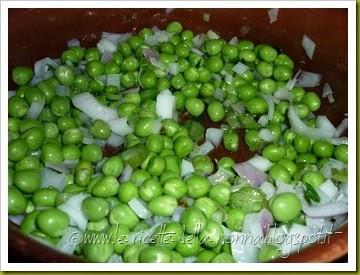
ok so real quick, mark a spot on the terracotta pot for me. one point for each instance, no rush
(37, 33)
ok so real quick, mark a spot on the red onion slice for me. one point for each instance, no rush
(248, 171)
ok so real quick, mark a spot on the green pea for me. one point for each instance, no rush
(17, 202)
(289, 165)
(341, 153)
(298, 94)
(245, 45)
(267, 86)
(22, 75)
(100, 129)
(91, 152)
(127, 191)
(268, 253)
(231, 141)
(95, 209)
(27, 181)
(213, 46)
(214, 64)
(220, 193)
(71, 152)
(280, 173)
(34, 137)
(28, 225)
(274, 152)
(150, 189)
(193, 220)
(302, 143)
(132, 252)
(172, 163)
(313, 178)
(265, 69)
(247, 55)
(256, 106)
(113, 166)
(203, 164)
(309, 158)
(194, 106)
(99, 252)
(72, 136)
(66, 122)
(155, 254)
(45, 197)
(183, 146)
(156, 165)
(282, 73)
(28, 162)
(122, 214)
(323, 148)
(17, 149)
(207, 206)
(119, 234)
(312, 101)
(163, 205)
(139, 176)
(226, 163)
(98, 226)
(53, 222)
(248, 198)
(174, 27)
(234, 219)
(175, 187)
(65, 75)
(229, 52)
(17, 107)
(198, 186)
(144, 127)
(188, 246)
(283, 59)
(285, 206)
(211, 235)
(106, 187)
(215, 111)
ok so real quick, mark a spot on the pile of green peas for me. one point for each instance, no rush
(55, 137)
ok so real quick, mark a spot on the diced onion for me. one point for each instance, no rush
(329, 188)
(220, 176)
(243, 250)
(238, 107)
(308, 79)
(62, 90)
(198, 40)
(165, 104)
(260, 163)
(214, 135)
(156, 127)
(319, 225)
(115, 258)
(11, 93)
(51, 178)
(35, 109)
(258, 224)
(43, 65)
(115, 37)
(151, 53)
(120, 126)
(140, 209)
(88, 138)
(249, 172)
(186, 167)
(197, 51)
(113, 80)
(266, 135)
(173, 68)
(106, 45)
(73, 43)
(17, 219)
(62, 167)
(331, 99)
(177, 213)
(293, 244)
(271, 105)
(202, 150)
(240, 68)
(263, 120)
(233, 41)
(322, 122)
(284, 188)
(273, 14)
(72, 207)
(88, 104)
(341, 128)
(326, 90)
(126, 173)
(212, 35)
(219, 94)
(268, 189)
(106, 56)
(206, 17)
(308, 45)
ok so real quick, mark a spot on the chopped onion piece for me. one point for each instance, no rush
(202, 150)
(268, 189)
(51, 178)
(326, 90)
(238, 107)
(43, 65)
(273, 14)
(88, 138)
(308, 80)
(35, 109)
(249, 172)
(206, 17)
(214, 135)
(198, 40)
(284, 188)
(62, 90)
(271, 105)
(115, 258)
(233, 41)
(331, 99)
(283, 94)
(292, 244)
(219, 94)
(177, 213)
(72, 207)
(260, 163)
(258, 224)
(17, 219)
(106, 57)
(88, 104)
(62, 167)
(140, 209)
(336, 164)
(325, 124)
(120, 126)
(329, 188)
(220, 176)
(165, 104)
(11, 93)
(240, 68)
(263, 120)
(266, 135)
(326, 170)
(338, 141)
(212, 35)
(197, 51)
(115, 37)
(66, 243)
(243, 251)
(173, 68)
(115, 140)
(106, 45)
(341, 128)
(113, 80)
(300, 127)
(73, 43)
(186, 168)
(308, 45)
(156, 128)
(148, 53)
(126, 173)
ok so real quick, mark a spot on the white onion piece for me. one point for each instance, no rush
(243, 251)
(238, 107)
(72, 207)
(120, 126)
(284, 188)
(17, 219)
(220, 176)
(100, 164)
(101, 78)
(212, 35)
(273, 15)
(43, 65)
(324, 199)
(326, 170)
(336, 164)
(126, 173)
(268, 189)
(266, 135)
(202, 150)
(115, 37)
(219, 94)
(258, 224)
(156, 127)
(177, 213)
(140, 209)
(88, 104)
(51, 178)
(341, 128)
(11, 93)
(300, 127)
(113, 80)
(308, 45)
(263, 120)
(198, 40)
(62, 90)
(106, 45)
(190, 259)
(260, 163)
(160, 220)
(186, 167)
(331, 99)
(339, 221)
(88, 138)
(233, 41)
(173, 68)
(324, 210)
(106, 57)
(308, 80)
(271, 105)
(283, 94)
(197, 51)
(35, 109)
(147, 52)
(329, 188)
(131, 90)
(240, 68)
(73, 43)
(214, 135)
(228, 78)
(62, 167)
(326, 90)
(294, 244)
(165, 104)
(66, 243)
(249, 172)
(291, 83)
(325, 124)
(318, 225)
(115, 258)
(338, 141)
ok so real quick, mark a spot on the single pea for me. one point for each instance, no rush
(175, 187)
(17, 149)
(28, 162)
(17, 107)
(113, 166)
(207, 206)
(100, 129)
(215, 111)
(256, 105)
(156, 165)
(220, 193)
(226, 163)
(66, 122)
(194, 106)
(245, 45)
(323, 148)
(98, 252)
(289, 165)
(123, 214)
(302, 143)
(267, 86)
(280, 173)
(247, 55)
(127, 191)
(167, 175)
(168, 235)
(139, 176)
(265, 69)
(95, 209)
(207, 90)
(285, 206)
(309, 158)
(214, 64)
(99, 226)
(91, 152)
(268, 252)
(45, 197)
(155, 254)
(230, 52)
(188, 246)
(298, 94)
(234, 219)
(53, 222)
(144, 127)
(22, 75)
(183, 146)
(274, 152)
(27, 180)
(314, 178)
(119, 237)
(17, 202)
(150, 189)
(282, 73)
(213, 46)
(172, 163)
(231, 141)
(155, 143)
(28, 225)
(71, 152)
(34, 137)
(203, 164)
(312, 101)
(163, 206)
(211, 235)
(205, 256)
(283, 59)
(193, 220)
(248, 198)
(341, 153)
(106, 187)
(132, 252)
(198, 186)
(174, 27)
(65, 75)
(267, 53)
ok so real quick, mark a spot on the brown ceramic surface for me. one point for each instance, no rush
(37, 33)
